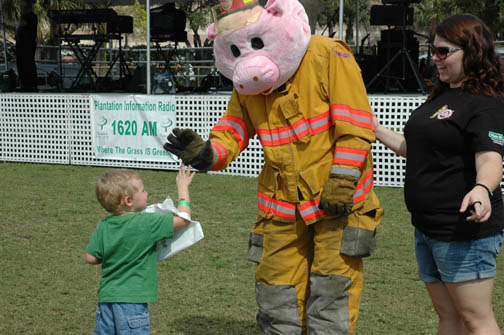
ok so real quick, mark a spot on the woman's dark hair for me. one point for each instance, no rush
(482, 65)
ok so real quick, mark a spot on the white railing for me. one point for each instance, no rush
(56, 129)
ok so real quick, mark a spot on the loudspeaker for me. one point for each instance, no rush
(391, 15)
(388, 46)
(8, 81)
(396, 35)
(167, 20)
(121, 25)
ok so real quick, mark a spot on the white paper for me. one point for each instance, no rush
(182, 238)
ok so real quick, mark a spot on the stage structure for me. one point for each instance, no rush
(398, 51)
(167, 24)
(147, 4)
(116, 26)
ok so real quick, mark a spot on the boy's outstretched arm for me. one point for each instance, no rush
(184, 179)
(90, 259)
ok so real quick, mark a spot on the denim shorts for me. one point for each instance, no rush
(456, 261)
(122, 319)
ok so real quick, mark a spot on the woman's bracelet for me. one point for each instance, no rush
(490, 193)
(184, 203)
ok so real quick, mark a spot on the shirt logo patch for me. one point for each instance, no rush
(342, 54)
(496, 138)
(443, 113)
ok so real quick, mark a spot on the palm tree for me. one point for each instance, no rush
(47, 29)
(429, 13)
(10, 11)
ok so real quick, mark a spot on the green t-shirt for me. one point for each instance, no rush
(126, 245)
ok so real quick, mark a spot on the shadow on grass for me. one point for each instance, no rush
(202, 325)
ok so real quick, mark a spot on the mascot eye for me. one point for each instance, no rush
(235, 51)
(257, 43)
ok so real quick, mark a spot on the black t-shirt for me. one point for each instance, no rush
(442, 138)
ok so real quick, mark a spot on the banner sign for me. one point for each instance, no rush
(132, 127)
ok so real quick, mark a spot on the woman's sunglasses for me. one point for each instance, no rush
(442, 52)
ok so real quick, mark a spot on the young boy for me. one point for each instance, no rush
(125, 245)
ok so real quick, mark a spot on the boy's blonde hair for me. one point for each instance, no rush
(113, 186)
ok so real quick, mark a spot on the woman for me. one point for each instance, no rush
(454, 148)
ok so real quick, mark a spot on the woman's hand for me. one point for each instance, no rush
(392, 140)
(376, 122)
(488, 173)
(478, 203)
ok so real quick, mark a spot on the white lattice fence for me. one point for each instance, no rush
(34, 128)
(393, 112)
(56, 128)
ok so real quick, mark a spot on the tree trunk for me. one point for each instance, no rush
(196, 39)
(313, 8)
(349, 33)
(331, 32)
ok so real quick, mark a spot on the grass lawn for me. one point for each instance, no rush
(49, 212)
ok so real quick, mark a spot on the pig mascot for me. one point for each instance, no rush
(303, 96)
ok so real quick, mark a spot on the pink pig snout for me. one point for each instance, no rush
(255, 75)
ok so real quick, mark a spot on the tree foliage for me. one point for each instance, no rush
(137, 11)
(429, 13)
(353, 10)
(199, 16)
(10, 12)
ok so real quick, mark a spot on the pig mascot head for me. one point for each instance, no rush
(259, 46)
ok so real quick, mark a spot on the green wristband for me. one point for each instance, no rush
(184, 203)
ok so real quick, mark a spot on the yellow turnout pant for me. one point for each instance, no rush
(303, 283)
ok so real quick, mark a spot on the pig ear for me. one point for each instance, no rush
(211, 32)
(275, 7)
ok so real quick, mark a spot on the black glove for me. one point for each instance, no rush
(191, 148)
(337, 195)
